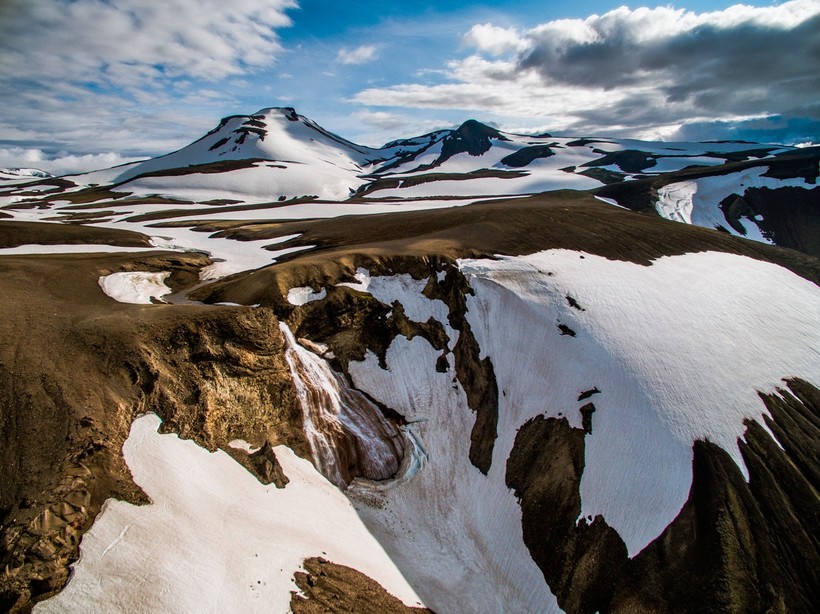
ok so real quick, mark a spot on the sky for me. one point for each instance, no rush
(93, 83)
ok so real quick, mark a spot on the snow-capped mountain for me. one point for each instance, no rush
(14, 174)
(469, 371)
(277, 155)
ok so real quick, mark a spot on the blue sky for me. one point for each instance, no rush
(90, 83)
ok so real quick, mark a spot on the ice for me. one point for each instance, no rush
(137, 287)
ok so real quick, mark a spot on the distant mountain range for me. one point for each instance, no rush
(278, 155)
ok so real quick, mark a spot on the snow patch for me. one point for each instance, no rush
(241, 444)
(611, 201)
(137, 287)
(214, 535)
(454, 532)
(304, 295)
(675, 201)
(697, 201)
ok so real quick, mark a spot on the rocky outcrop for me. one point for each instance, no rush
(736, 546)
(328, 587)
(71, 383)
(786, 216)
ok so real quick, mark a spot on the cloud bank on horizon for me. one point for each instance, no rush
(93, 83)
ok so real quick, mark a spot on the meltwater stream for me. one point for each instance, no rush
(348, 435)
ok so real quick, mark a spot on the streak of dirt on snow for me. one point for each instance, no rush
(135, 287)
(213, 537)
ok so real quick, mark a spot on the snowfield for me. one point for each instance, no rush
(678, 350)
(214, 535)
(696, 201)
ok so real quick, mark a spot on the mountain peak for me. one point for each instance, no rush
(471, 137)
(287, 112)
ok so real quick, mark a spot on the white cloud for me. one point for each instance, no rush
(357, 55)
(494, 40)
(140, 77)
(642, 71)
(133, 41)
(58, 164)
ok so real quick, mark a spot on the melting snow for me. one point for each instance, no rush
(213, 536)
(137, 288)
(696, 201)
(679, 350)
(304, 295)
(332, 413)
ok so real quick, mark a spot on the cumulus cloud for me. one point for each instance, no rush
(58, 164)
(93, 76)
(641, 71)
(494, 40)
(133, 41)
(357, 55)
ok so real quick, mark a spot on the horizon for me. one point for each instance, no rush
(695, 71)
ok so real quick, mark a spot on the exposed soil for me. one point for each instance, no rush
(390, 183)
(128, 202)
(328, 588)
(396, 242)
(14, 234)
(76, 367)
(628, 160)
(232, 208)
(790, 216)
(527, 155)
